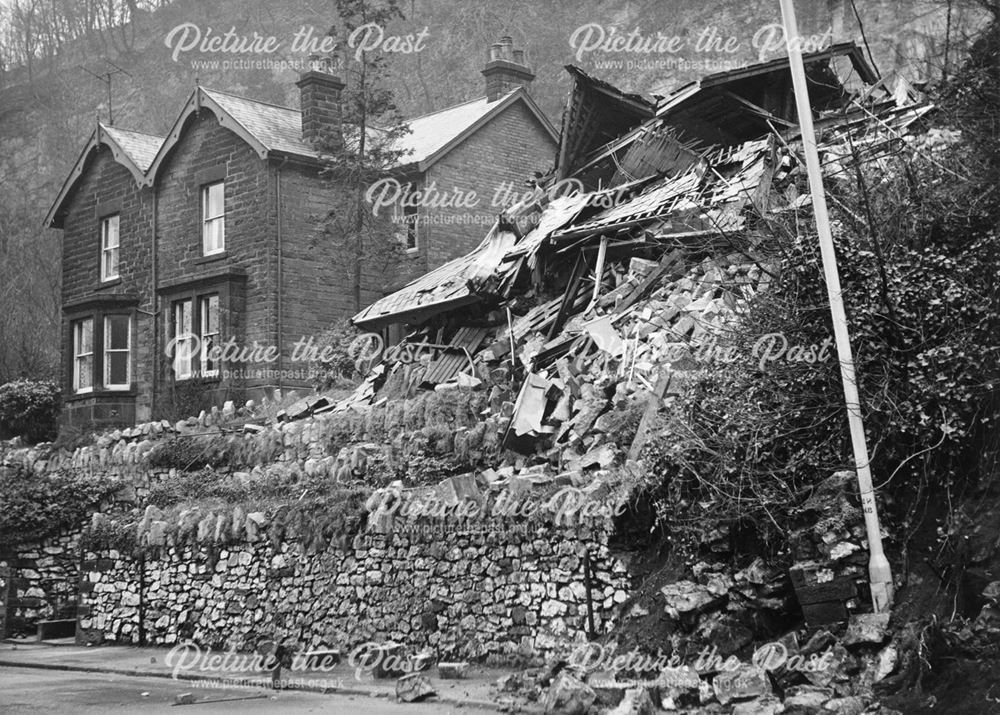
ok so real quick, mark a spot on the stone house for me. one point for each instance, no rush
(214, 236)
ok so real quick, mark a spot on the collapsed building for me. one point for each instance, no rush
(596, 290)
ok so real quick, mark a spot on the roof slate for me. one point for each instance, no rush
(277, 128)
(141, 148)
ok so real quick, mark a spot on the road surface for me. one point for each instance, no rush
(30, 691)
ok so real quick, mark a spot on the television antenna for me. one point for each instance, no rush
(106, 78)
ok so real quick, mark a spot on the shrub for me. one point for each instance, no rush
(36, 505)
(29, 409)
(343, 351)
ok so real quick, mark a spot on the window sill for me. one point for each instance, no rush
(100, 394)
(198, 380)
(110, 282)
(212, 257)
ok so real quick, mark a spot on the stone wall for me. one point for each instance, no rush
(39, 581)
(471, 594)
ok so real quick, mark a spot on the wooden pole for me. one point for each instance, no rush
(879, 572)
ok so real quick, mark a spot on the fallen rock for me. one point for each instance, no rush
(636, 702)
(568, 695)
(768, 705)
(680, 685)
(807, 697)
(745, 682)
(852, 705)
(687, 597)
(413, 688)
(885, 663)
(867, 628)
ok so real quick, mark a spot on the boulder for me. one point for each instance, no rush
(867, 628)
(413, 688)
(687, 597)
(568, 695)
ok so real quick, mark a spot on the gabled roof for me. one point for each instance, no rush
(269, 128)
(595, 113)
(140, 148)
(265, 127)
(133, 150)
(434, 135)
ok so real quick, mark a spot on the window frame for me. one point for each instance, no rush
(107, 250)
(204, 307)
(197, 364)
(218, 219)
(78, 355)
(176, 337)
(106, 384)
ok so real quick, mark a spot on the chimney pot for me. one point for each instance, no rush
(505, 70)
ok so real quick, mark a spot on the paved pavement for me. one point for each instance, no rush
(31, 691)
(108, 672)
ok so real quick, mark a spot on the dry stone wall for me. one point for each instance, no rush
(474, 594)
(39, 581)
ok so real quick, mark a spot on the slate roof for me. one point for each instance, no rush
(140, 148)
(277, 128)
(280, 128)
(432, 132)
(133, 150)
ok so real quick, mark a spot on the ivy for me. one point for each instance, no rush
(35, 505)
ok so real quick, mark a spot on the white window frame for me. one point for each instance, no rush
(182, 341)
(108, 350)
(80, 356)
(109, 249)
(208, 221)
(209, 337)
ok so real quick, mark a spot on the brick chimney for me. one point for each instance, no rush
(319, 99)
(505, 69)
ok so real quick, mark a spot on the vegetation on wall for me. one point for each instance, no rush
(34, 505)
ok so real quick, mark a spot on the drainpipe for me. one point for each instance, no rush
(155, 316)
(279, 278)
(879, 572)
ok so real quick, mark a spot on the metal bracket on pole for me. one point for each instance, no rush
(879, 572)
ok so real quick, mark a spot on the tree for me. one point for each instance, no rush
(372, 126)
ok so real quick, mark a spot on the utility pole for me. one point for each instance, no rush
(879, 572)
